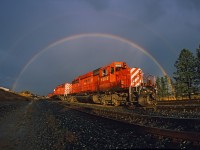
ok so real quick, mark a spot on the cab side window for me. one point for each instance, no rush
(104, 72)
(112, 70)
(118, 69)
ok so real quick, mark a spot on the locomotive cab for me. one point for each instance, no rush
(114, 76)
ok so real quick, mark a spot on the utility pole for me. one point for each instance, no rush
(130, 94)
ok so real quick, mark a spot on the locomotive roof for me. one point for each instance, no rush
(88, 74)
(114, 63)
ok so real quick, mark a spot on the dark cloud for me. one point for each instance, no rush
(191, 5)
(151, 11)
(99, 5)
(163, 28)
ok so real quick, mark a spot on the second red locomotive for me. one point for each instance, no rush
(115, 84)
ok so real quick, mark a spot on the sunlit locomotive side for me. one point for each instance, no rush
(114, 84)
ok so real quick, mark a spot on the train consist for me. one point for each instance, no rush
(114, 84)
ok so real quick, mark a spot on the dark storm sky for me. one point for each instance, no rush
(161, 27)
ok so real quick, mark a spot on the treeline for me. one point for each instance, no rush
(186, 78)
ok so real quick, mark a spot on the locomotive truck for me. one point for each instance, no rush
(114, 84)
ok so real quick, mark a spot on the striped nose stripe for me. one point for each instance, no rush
(136, 77)
(68, 88)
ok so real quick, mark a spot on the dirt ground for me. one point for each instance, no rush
(28, 125)
(23, 123)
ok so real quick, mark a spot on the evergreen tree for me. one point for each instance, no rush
(167, 86)
(186, 72)
(158, 85)
(163, 86)
(198, 69)
(180, 88)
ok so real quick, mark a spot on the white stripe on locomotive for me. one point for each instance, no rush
(68, 88)
(136, 77)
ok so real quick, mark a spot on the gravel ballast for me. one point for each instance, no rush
(47, 125)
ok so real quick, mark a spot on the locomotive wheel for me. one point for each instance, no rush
(103, 102)
(114, 100)
(95, 99)
(75, 99)
(72, 99)
(142, 100)
(116, 103)
(145, 100)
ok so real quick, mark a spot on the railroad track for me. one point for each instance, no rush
(181, 105)
(143, 123)
(193, 102)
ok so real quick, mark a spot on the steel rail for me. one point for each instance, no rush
(193, 137)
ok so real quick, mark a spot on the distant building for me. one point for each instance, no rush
(5, 89)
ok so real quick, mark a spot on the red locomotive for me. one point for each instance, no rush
(115, 84)
(61, 90)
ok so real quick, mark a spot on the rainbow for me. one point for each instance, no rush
(84, 35)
